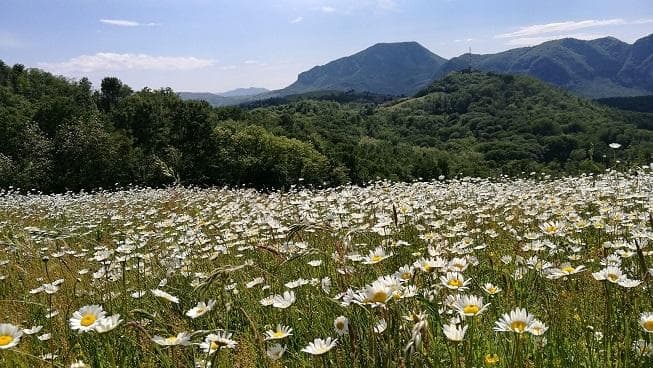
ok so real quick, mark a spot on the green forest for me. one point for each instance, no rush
(58, 134)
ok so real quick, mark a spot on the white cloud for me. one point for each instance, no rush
(251, 62)
(126, 23)
(297, 20)
(543, 29)
(108, 61)
(327, 9)
(643, 21)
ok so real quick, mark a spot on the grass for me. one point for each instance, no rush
(200, 245)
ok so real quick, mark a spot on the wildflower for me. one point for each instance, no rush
(86, 318)
(79, 364)
(376, 256)
(200, 309)
(454, 332)
(256, 281)
(108, 323)
(380, 326)
(215, 342)
(33, 330)
(565, 269)
(283, 301)
(491, 288)
(646, 321)
(341, 324)
(164, 295)
(491, 359)
(315, 263)
(518, 321)
(320, 346)
(45, 337)
(9, 335)
(378, 293)
(537, 328)
(182, 338)
(275, 352)
(470, 305)
(296, 283)
(454, 281)
(279, 333)
(552, 228)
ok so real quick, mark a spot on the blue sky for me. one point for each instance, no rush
(203, 45)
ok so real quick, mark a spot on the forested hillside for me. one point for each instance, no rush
(58, 135)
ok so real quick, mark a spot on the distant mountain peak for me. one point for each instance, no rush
(397, 68)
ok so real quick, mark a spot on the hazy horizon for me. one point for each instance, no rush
(204, 46)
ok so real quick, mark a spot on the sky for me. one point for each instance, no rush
(214, 46)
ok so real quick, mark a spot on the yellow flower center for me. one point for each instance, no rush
(340, 325)
(492, 290)
(171, 340)
(379, 297)
(405, 276)
(459, 266)
(648, 325)
(87, 319)
(491, 359)
(376, 258)
(215, 346)
(569, 269)
(518, 326)
(278, 334)
(471, 309)
(6, 340)
(427, 268)
(454, 283)
(551, 229)
(613, 277)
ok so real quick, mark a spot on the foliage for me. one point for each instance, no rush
(58, 134)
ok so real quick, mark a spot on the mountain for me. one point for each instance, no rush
(386, 68)
(240, 92)
(233, 97)
(604, 67)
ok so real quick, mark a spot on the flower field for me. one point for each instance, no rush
(463, 273)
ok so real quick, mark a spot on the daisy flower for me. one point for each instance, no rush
(162, 294)
(275, 352)
(86, 318)
(376, 256)
(491, 288)
(470, 305)
(217, 341)
(518, 321)
(454, 281)
(341, 324)
(454, 332)
(182, 338)
(9, 335)
(279, 333)
(537, 328)
(108, 323)
(200, 309)
(320, 346)
(646, 321)
(283, 301)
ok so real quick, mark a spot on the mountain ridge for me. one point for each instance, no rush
(598, 68)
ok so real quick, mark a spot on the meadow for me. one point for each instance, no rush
(532, 272)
